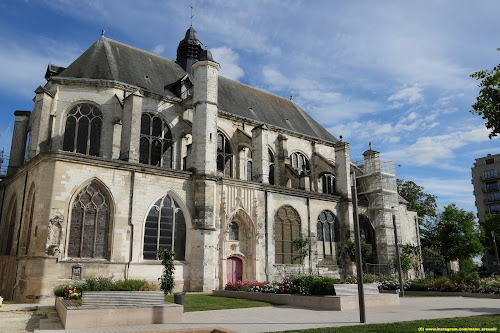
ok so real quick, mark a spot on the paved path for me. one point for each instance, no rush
(280, 318)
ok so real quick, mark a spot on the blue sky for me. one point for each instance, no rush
(395, 73)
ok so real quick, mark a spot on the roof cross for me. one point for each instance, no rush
(191, 6)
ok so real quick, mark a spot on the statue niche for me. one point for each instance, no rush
(54, 235)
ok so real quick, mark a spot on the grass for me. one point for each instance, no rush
(193, 302)
(413, 326)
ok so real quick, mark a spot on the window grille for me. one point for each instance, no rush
(155, 142)
(492, 173)
(224, 155)
(165, 227)
(83, 130)
(492, 197)
(89, 228)
(286, 229)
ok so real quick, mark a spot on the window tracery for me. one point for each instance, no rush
(82, 133)
(90, 224)
(271, 166)
(300, 163)
(327, 231)
(286, 229)
(224, 155)
(327, 183)
(165, 227)
(155, 142)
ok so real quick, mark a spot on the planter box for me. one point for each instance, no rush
(337, 303)
(443, 293)
(74, 316)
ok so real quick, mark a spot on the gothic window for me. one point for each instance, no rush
(286, 229)
(11, 220)
(90, 224)
(234, 230)
(165, 227)
(27, 145)
(156, 141)
(224, 155)
(31, 208)
(249, 164)
(327, 231)
(327, 183)
(83, 130)
(367, 234)
(271, 167)
(299, 163)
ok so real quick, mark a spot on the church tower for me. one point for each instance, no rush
(189, 50)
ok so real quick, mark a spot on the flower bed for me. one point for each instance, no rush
(455, 284)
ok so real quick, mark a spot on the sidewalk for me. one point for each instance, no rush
(280, 318)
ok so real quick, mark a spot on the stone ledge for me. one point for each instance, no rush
(336, 303)
(443, 294)
(93, 317)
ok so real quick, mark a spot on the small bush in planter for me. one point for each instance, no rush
(323, 286)
(129, 285)
(98, 284)
(303, 283)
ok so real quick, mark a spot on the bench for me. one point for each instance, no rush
(122, 298)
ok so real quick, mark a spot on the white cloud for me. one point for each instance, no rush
(228, 60)
(431, 149)
(159, 49)
(408, 95)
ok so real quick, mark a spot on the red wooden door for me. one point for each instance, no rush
(234, 269)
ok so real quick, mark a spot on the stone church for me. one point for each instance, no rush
(126, 151)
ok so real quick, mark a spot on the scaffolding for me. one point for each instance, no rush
(376, 181)
(4, 163)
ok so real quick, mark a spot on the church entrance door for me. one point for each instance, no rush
(234, 269)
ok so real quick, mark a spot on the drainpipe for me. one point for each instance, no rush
(22, 215)
(131, 200)
(309, 232)
(266, 236)
(1, 212)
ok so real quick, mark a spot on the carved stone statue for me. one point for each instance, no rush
(54, 235)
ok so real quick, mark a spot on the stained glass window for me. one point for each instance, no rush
(83, 130)
(89, 226)
(165, 227)
(327, 183)
(286, 229)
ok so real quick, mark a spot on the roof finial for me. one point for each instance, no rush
(370, 145)
(102, 32)
(191, 6)
(291, 97)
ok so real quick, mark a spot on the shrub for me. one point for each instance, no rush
(323, 286)
(58, 291)
(98, 284)
(150, 286)
(129, 285)
(303, 282)
(68, 292)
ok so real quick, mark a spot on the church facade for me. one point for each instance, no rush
(126, 151)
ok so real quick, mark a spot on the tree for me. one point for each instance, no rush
(457, 234)
(419, 201)
(488, 102)
(489, 224)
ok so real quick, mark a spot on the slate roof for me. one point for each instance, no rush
(110, 60)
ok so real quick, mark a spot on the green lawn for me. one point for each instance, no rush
(193, 302)
(413, 326)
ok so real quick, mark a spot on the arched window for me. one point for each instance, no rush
(327, 183)
(224, 155)
(27, 145)
(11, 220)
(300, 163)
(90, 224)
(234, 231)
(83, 130)
(156, 141)
(286, 229)
(327, 231)
(249, 165)
(29, 218)
(165, 228)
(271, 167)
(367, 234)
